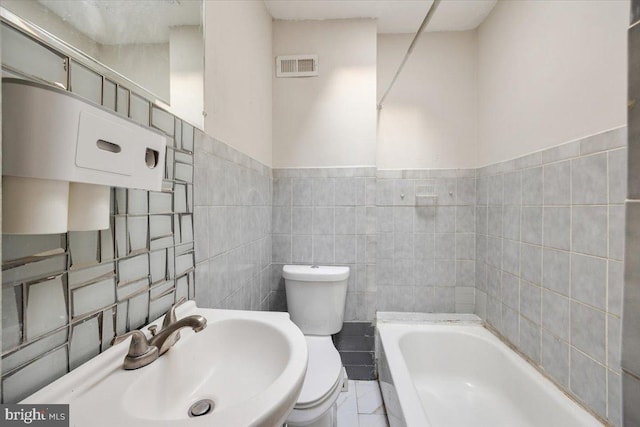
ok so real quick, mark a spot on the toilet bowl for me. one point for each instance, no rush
(316, 299)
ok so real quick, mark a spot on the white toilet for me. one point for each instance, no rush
(316, 299)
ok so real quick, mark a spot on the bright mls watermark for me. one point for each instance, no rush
(35, 415)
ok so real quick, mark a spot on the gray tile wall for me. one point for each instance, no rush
(631, 320)
(232, 227)
(408, 235)
(550, 251)
(326, 216)
(426, 240)
(65, 296)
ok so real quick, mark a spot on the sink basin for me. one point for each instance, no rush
(250, 365)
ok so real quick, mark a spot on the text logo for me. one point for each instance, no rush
(35, 415)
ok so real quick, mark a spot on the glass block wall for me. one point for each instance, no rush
(65, 296)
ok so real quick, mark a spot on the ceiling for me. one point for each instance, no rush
(113, 22)
(394, 16)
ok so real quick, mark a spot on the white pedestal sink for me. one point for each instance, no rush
(249, 364)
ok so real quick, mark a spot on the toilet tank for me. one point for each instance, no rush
(316, 297)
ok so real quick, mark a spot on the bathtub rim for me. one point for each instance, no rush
(410, 404)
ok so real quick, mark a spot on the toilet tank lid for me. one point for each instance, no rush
(309, 273)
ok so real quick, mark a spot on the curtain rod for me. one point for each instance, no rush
(425, 21)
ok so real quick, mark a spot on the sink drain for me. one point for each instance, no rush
(201, 407)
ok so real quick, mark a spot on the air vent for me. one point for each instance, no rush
(297, 66)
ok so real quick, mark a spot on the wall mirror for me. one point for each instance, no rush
(156, 44)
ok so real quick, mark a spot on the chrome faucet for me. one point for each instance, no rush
(169, 318)
(169, 335)
(143, 352)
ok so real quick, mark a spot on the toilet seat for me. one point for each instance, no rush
(322, 384)
(324, 372)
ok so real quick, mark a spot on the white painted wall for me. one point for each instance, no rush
(329, 120)
(429, 119)
(238, 68)
(186, 63)
(549, 72)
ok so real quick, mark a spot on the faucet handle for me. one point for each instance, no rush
(141, 353)
(170, 317)
(139, 343)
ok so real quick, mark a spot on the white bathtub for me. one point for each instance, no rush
(439, 373)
